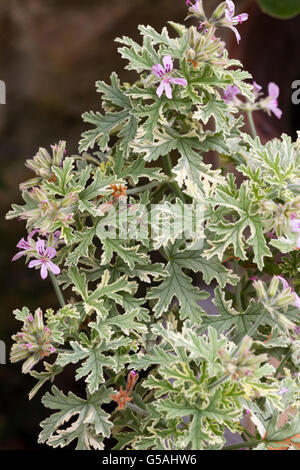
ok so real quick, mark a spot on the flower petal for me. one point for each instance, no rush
(168, 63)
(34, 262)
(40, 247)
(231, 7)
(274, 108)
(18, 255)
(257, 88)
(295, 225)
(285, 284)
(273, 90)
(53, 267)
(297, 301)
(237, 34)
(50, 252)
(44, 271)
(178, 81)
(160, 89)
(168, 90)
(158, 70)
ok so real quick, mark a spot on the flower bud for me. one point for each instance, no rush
(219, 12)
(260, 289)
(286, 322)
(273, 286)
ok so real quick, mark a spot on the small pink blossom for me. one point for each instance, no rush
(295, 227)
(164, 74)
(272, 100)
(286, 285)
(234, 20)
(257, 88)
(230, 93)
(44, 256)
(25, 245)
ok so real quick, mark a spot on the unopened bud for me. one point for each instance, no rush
(286, 322)
(273, 286)
(219, 12)
(285, 299)
(260, 289)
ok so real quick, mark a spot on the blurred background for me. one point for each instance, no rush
(51, 54)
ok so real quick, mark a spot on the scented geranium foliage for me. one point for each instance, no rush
(156, 369)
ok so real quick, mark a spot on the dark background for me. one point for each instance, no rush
(51, 54)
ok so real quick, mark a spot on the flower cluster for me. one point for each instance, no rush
(43, 162)
(268, 104)
(33, 343)
(277, 301)
(244, 363)
(223, 16)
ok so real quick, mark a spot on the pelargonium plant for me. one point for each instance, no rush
(157, 369)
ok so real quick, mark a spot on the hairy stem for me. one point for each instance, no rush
(242, 444)
(57, 290)
(252, 125)
(136, 408)
(284, 360)
(238, 298)
(140, 189)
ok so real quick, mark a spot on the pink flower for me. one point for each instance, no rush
(272, 101)
(164, 74)
(295, 227)
(25, 245)
(286, 285)
(44, 256)
(257, 88)
(230, 93)
(233, 20)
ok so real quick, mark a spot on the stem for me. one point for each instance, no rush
(284, 360)
(57, 290)
(252, 125)
(173, 184)
(238, 288)
(242, 444)
(137, 409)
(218, 382)
(140, 189)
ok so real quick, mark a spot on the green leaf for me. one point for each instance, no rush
(228, 318)
(105, 125)
(211, 269)
(130, 255)
(282, 437)
(92, 421)
(281, 8)
(140, 57)
(228, 234)
(178, 285)
(113, 93)
(93, 300)
(93, 365)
